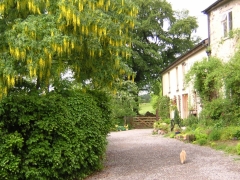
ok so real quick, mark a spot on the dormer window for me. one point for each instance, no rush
(227, 23)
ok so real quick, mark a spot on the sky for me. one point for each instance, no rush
(195, 8)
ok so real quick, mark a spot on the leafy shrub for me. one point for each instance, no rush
(214, 109)
(121, 128)
(229, 133)
(176, 118)
(202, 141)
(167, 121)
(54, 136)
(214, 135)
(161, 103)
(190, 121)
(200, 134)
(172, 135)
(159, 125)
(207, 78)
(231, 149)
(238, 148)
(237, 134)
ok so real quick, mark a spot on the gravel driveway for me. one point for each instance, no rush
(139, 155)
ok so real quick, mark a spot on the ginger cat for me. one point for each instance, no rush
(183, 156)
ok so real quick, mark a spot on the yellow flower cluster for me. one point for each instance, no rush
(17, 53)
(33, 7)
(74, 13)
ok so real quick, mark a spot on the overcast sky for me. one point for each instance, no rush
(195, 8)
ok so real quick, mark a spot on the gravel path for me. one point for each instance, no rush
(139, 155)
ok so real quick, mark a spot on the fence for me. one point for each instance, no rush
(143, 122)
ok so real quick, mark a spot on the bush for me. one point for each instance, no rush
(202, 141)
(229, 133)
(214, 135)
(159, 125)
(167, 121)
(238, 148)
(54, 136)
(191, 121)
(237, 134)
(200, 134)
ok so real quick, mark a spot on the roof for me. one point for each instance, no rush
(206, 11)
(183, 57)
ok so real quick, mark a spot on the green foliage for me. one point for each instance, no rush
(200, 134)
(159, 102)
(232, 78)
(124, 103)
(217, 84)
(191, 121)
(237, 134)
(54, 136)
(207, 78)
(218, 109)
(146, 60)
(176, 118)
(202, 141)
(167, 121)
(146, 107)
(145, 98)
(162, 104)
(159, 125)
(231, 150)
(214, 135)
(230, 132)
(172, 135)
(120, 128)
(238, 148)
(42, 39)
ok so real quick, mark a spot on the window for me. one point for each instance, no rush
(183, 74)
(169, 80)
(177, 78)
(179, 104)
(227, 23)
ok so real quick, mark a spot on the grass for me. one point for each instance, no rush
(228, 146)
(144, 107)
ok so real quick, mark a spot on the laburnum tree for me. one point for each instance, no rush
(42, 39)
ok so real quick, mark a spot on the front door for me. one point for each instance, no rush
(185, 106)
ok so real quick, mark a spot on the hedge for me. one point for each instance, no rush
(53, 136)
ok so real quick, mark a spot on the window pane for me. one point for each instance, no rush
(225, 28)
(230, 20)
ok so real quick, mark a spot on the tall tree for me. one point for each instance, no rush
(159, 36)
(41, 39)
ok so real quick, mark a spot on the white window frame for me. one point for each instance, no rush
(169, 85)
(184, 65)
(177, 80)
(227, 23)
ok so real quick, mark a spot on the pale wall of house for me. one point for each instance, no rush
(223, 47)
(178, 90)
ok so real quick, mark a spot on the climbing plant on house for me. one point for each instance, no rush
(217, 84)
(206, 76)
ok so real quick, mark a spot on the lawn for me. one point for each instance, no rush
(144, 107)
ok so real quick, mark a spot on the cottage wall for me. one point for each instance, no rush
(223, 46)
(175, 87)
